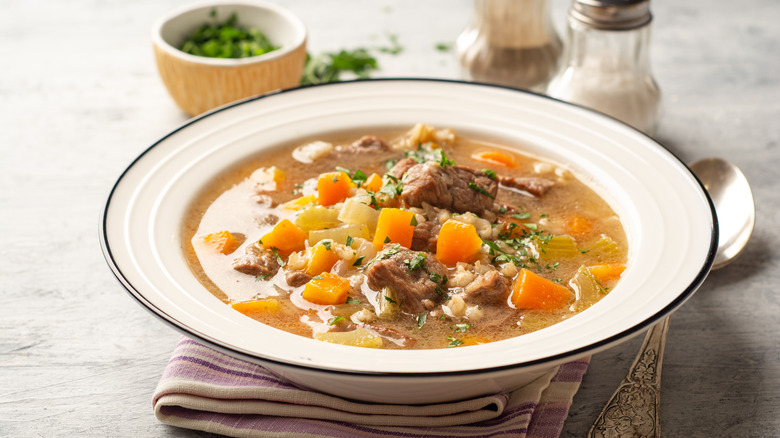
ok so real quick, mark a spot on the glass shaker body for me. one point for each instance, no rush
(510, 42)
(609, 71)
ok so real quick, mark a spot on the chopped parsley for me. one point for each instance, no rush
(262, 277)
(353, 301)
(416, 262)
(226, 39)
(479, 189)
(454, 342)
(326, 244)
(460, 328)
(349, 241)
(444, 47)
(421, 320)
(521, 216)
(328, 67)
(413, 222)
(491, 174)
(359, 261)
(278, 257)
(443, 160)
(335, 320)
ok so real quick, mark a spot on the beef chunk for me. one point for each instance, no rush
(367, 143)
(401, 167)
(489, 287)
(535, 186)
(417, 278)
(425, 236)
(297, 278)
(455, 188)
(256, 262)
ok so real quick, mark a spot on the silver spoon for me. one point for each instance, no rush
(634, 409)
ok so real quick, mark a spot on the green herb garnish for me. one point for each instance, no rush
(335, 320)
(460, 328)
(478, 189)
(416, 262)
(359, 261)
(278, 257)
(421, 320)
(227, 40)
(353, 301)
(491, 174)
(454, 342)
(328, 67)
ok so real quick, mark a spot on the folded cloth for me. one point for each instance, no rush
(206, 390)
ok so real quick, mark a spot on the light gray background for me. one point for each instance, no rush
(80, 98)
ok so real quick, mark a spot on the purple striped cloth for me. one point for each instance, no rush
(206, 390)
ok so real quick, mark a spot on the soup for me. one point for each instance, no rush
(411, 239)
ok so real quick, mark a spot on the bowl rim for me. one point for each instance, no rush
(301, 33)
(589, 348)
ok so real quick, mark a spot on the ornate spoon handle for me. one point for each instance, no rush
(634, 409)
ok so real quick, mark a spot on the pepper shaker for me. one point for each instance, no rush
(511, 43)
(606, 61)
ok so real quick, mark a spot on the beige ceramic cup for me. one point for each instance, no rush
(198, 84)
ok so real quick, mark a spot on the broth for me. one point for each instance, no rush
(541, 247)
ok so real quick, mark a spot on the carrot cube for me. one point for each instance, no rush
(326, 289)
(321, 259)
(373, 183)
(457, 242)
(607, 272)
(285, 237)
(395, 226)
(333, 187)
(532, 291)
(222, 241)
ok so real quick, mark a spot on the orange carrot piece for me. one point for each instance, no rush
(333, 187)
(505, 159)
(607, 272)
(373, 183)
(326, 289)
(579, 226)
(532, 291)
(321, 259)
(457, 242)
(395, 226)
(285, 237)
(222, 241)
(257, 306)
(473, 340)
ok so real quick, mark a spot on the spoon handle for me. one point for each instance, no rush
(634, 409)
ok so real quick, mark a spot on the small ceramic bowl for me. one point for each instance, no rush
(199, 83)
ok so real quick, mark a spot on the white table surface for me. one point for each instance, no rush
(80, 98)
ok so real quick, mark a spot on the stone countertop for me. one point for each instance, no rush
(81, 98)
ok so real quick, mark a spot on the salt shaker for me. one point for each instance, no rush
(510, 42)
(606, 61)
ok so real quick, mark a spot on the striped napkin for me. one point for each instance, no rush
(206, 390)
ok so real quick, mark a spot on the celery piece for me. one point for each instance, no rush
(356, 338)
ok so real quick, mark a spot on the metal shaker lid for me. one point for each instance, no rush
(611, 14)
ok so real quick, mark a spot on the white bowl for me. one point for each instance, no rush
(668, 217)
